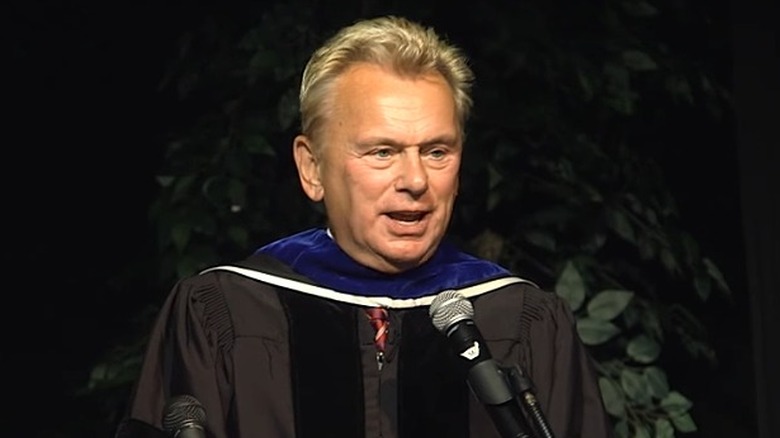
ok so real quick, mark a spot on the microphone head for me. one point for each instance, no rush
(183, 411)
(448, 308)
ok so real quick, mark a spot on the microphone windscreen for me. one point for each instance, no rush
(183, 411)
(448, 308)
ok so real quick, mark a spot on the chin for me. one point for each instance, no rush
(408, 260)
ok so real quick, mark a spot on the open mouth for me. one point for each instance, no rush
(407, 216)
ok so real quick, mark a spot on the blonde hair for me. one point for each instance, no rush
(405, 47)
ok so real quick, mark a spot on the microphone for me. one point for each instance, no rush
(453, 314)
(184, 417)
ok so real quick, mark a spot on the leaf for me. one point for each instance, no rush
(570, 286)
(652, 324)
(287, 109)
(643, 349)
(610, 394)
(186, 266)
(663, 428)
(262, 61)
(656, 382)
(693, 345)
(675, 403)
(641, 432)
(237, 163)
(631, 316)
(98, 374)
(596, 331)
(180, 235)
(679, 87)
(619, 95)
(621, 429)
(258, 145)
(703, 285)
(595, 242)
(488, 244)
(635, 386)
(716, 275)
(238, 235)
(651, 216)
(236, 192)
(494, 198)
(585, 85)
(494, 177)
(646, 247)
(639, 9)
(684, 423)
(181, 188)
(213, 188)
(608, 304)
(669, 261)
(541, 239)
(165, 180)
(638, 60)
(620, 224)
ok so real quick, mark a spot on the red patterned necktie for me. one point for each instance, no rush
(378, 318)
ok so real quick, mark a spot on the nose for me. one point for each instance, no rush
(413, 177)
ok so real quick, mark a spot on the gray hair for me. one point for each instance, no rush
(405, 47)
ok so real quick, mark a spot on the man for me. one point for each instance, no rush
(286, 343)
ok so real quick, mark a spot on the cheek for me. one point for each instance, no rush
(447, 184)
(367, 184)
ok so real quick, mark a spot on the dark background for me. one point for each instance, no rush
(85, 126)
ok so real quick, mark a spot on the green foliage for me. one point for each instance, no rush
(228, 181)
(559, 182)
(568, 141)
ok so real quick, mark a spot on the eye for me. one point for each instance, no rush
(437, 153)
(383, 152)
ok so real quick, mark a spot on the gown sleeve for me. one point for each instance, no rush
(187, 353)
(563, 371)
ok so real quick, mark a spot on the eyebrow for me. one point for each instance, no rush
(442, 139)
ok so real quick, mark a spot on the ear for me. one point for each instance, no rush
(308, 168)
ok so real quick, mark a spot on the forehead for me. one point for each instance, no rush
(368, 92)
(367, 77)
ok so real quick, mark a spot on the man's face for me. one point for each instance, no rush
(388, 165)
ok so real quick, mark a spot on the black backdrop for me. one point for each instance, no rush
(84, 132)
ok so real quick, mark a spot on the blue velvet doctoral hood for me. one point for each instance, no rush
(314, 254)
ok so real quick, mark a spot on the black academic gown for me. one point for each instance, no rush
(270, 354)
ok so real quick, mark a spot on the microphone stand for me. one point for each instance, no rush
(510, 401)
(526, 398)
